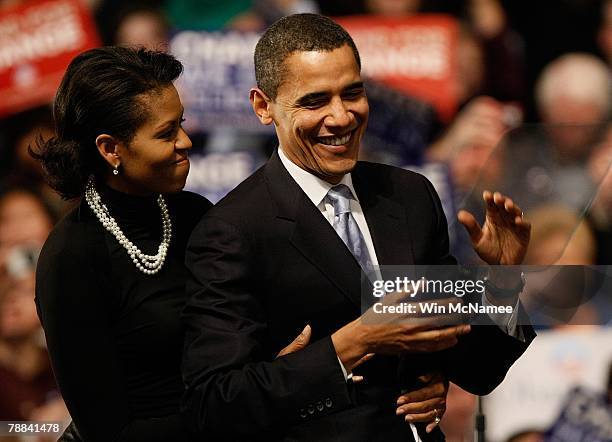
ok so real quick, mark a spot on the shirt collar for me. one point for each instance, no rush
(314, 187)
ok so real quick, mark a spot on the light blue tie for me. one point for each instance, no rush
(345, 225)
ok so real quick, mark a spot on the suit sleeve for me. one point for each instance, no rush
(70, 303)
(235, 387)
(481, 359)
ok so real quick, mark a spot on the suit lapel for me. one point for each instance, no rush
(316, 239)
(386, 220)
(311, 234)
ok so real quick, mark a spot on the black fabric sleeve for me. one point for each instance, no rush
(73, 306)
(234, 387)
(481, 359)
(192, 207)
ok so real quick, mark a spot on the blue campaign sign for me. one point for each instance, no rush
(586, 417)
(218, 75)
(213, 175)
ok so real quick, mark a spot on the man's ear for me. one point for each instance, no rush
(261, 105)
(109, 148)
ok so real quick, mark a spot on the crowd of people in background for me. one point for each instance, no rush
(534, 90)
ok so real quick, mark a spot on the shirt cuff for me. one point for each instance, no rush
(508, 322)
(347, 375)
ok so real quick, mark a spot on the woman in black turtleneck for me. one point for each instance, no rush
(111, 316)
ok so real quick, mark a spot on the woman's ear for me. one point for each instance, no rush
(261, 105)
(109, 148)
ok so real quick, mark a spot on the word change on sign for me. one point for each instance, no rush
(38, 39)
(415, 55)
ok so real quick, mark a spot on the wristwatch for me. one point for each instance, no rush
(504, 293)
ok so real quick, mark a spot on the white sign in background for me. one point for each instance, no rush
(534, 390)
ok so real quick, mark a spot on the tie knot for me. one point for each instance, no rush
(340, 197)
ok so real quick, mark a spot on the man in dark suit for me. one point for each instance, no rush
(286, 248)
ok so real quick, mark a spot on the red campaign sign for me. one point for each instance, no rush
(38, 39)
(416, 55)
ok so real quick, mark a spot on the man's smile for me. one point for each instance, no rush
(336, 141)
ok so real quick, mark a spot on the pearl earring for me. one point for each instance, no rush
(116, 171)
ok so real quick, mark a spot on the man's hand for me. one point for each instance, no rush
(298, 343)
(427, 403)
(504, 237)
(303, 339)
(394, 334)
(357, 339)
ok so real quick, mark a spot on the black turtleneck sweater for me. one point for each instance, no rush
(114, 334)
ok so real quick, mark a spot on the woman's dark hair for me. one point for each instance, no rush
(101, 92)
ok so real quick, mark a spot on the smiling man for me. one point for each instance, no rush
(286, 249)
(320, 111)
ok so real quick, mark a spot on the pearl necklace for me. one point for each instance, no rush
(148, 264)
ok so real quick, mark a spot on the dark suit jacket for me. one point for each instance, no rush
(265, 263)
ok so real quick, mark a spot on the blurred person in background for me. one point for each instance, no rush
(560, 287)
(141, 25)
(600, 212)
(469, 144)
(573, 97)
(502, 48)
(32, 124)
(25, 221)
(23, 171)
(549, 161)
(133, 23)
(560, 237)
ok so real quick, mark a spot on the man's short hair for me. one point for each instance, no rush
(295, 33)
